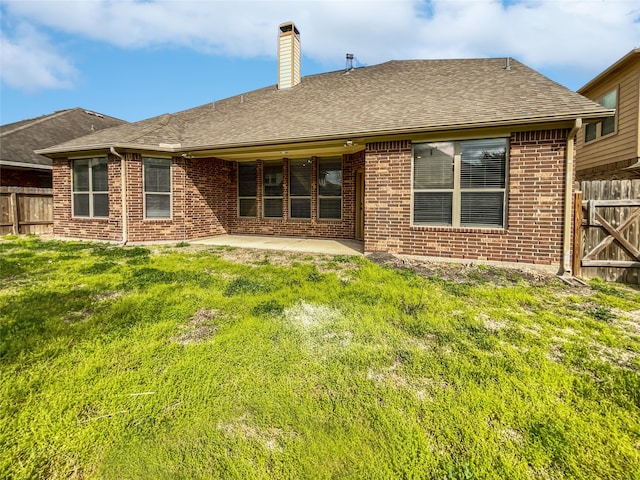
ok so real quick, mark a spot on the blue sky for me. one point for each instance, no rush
(134, 59)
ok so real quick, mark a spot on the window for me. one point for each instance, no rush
(608, 125)
(157, 187)
(90, 188)
(272, 176)
(300, 189)
(247, 189)
(460, 184)
(330, 188)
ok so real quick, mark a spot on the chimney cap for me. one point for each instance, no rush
(288, 27)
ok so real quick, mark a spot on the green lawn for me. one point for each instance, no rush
(182, 362)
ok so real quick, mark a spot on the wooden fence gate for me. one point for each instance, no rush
(607, 230)
(26, 210)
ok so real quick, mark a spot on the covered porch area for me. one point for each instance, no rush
(286, 244)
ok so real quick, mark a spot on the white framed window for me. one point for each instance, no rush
(272, 188)
(157, 187)
(300, 188)
(460, 183)
(330, 188)
(90, 187)
(593, 131)
(247, 189)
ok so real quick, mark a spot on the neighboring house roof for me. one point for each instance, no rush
(19, 140)
(628, 58)
(390, 98)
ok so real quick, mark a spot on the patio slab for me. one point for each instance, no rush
(287, 244)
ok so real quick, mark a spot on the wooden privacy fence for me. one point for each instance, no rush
(607, 230)
(26, 210)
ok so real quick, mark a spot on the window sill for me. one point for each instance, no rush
(601, 138)
(444, 228)
(91, 219)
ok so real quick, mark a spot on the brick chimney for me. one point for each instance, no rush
(288, 56)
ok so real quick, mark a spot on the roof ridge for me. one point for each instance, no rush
(40, 119)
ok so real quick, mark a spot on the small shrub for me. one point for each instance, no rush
(602, 313)
(314, 275)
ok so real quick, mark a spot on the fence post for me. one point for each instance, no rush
(13, 209)
(577, 234)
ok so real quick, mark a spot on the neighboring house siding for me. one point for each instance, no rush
(533, 233)
(607, 156)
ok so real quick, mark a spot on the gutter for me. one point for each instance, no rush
(30, 166)
(568, 197)
(123, 194)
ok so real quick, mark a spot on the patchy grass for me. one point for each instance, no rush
(182, 362)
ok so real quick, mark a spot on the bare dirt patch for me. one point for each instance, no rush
(271, 438)
(199, 329)
(463, 272)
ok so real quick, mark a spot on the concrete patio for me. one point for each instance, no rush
(287, 244)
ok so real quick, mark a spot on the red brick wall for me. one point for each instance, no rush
(208, 182)
(64, 225)
(198, 202)
(22, 177)
(533, 233)
(204, 203)
(285, 226)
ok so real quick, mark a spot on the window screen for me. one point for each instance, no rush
(90, 187)
(330, 188)
(157, 187)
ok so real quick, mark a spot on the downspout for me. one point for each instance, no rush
(568, 199)
(123, 193)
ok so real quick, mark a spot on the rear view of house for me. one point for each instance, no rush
(445, 158)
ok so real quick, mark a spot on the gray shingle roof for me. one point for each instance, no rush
(19, 140)
(393, 97)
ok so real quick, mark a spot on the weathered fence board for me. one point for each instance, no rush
(608, 241)
(26, 210)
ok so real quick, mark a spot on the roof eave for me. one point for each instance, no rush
(56, 151)
(180, 148)
(35, 166)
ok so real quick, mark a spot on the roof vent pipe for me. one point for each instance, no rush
(349, 65)
(507, 64)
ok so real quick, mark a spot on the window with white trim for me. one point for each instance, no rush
(300, 188)
(247, 189)
(90, 188)
(461, 183)
(330, 188)
(607, 126)
(157, 187)
(272, 188)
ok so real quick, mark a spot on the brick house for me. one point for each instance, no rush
(20, 166)
(466, 159)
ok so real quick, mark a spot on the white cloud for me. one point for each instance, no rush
(587, 35)
(29, 63)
